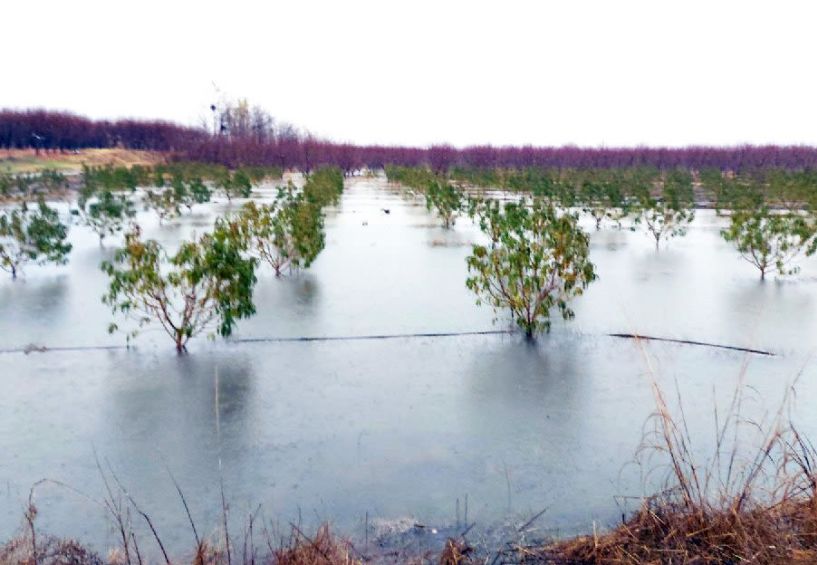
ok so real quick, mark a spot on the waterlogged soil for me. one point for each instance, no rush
(385, 432)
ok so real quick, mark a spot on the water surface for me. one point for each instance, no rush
(393, 428)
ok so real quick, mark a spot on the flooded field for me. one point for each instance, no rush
(389, 428)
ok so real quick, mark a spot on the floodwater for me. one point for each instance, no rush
(389, 428)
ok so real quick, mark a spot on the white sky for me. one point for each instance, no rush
(418, 72)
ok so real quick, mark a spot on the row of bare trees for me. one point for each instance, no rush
(240, 134)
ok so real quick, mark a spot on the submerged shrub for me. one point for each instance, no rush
(669, 213)
(445, 199)
(106, 212)
(537, 261)
(769, 240)
(32, 234)
(207, 283)
(286, 234)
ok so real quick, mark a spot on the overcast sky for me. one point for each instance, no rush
(614, 73)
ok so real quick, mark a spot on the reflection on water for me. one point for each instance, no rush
(389, 427)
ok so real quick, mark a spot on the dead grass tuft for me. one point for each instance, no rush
(322, 549)
(456, 552)
(50, 551)
(755, 504)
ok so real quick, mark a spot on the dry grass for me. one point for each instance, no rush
(27, 161)
(755, 504)
(322, 549)
(50, 551)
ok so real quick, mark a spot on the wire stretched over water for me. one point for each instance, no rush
(367, 337)
(35, 348)
(692, 342)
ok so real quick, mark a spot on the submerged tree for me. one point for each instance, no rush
(32, 234)
(165, 202)
(286, 234)
(168, 201)
(207, 283)
(537, 261)
(106, 213)
(324, 186)
(445, 198)
(236, 184)
(771, 241)
(602, 197)
(669, 214)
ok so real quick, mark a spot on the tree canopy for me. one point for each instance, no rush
(537, 260)
(32, 234)
(207, 284)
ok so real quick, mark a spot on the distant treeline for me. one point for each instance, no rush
(63, 131)
(306, 154)
(243, 146)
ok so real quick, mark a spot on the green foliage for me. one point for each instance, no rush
(259, 174)
(112, 178)
(324, 186)
(730, 191)
(478, 177)
(6, 184)
(236, 185)
(106, 212)
(32, 234)
(440, 194)
(168, 201)
(602, 195)
(413, 178)
(52, 180)
(446, 199)
(25, 184)
(537, 261)
(207, 283)
(771, 241)
(791, 190)
(286, 234)
(200, 193)
(668, 214)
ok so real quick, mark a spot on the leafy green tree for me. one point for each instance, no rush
(32, 234)
(105, 213)
(324, 186)
(669, 214)
(286, 234)
(537, 261)
(165, 202)
(168, 201)
(731, 191)
(234, 185)
(199, 192)
(6, 184)
(602, 197)
(52, 180)
(771, 241)
(445, 199)
(206, 284)
(159, 176)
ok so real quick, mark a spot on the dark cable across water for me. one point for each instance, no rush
(35, 348)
